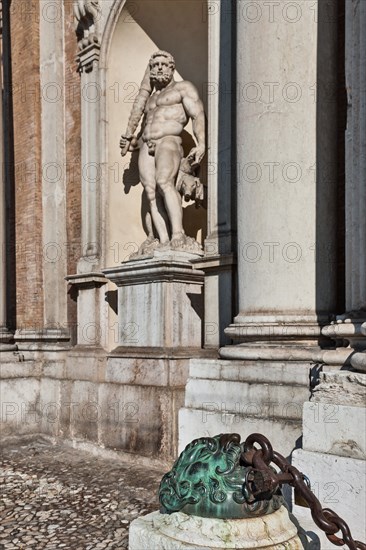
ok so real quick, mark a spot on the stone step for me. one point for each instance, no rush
(19, 369)
(271, 372)
(253, 399)
(194, 423)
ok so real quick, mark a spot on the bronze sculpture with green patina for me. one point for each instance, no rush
(219, 477)
(209, 480)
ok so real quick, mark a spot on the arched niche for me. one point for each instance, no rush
(132, 30)
(142, 27)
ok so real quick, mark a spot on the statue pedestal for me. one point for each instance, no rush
(160, 302)
(179, 531)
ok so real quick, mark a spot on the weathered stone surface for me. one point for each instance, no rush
(180, 531)
(129, 404)
(258, 399)
(245, 397)
(195, 423)
(339, 484)
(19, 406)
(251, 371)
(334, 429)
(341, 387)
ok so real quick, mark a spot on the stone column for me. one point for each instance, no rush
(3, 330)
(90, 165)
(89, 281)
(334, 443)
(53, 158)
(350, 328)
(286, 196)
(52, 332)
(5, 335)
(286, 147)
(219, 244)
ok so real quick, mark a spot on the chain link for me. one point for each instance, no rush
(262, 479)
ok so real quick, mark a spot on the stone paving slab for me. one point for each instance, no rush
(56, 497)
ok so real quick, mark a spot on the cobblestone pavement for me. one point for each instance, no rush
(56, 497)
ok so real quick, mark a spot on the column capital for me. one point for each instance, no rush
(88, 58)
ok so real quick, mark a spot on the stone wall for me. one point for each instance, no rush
(126, 404)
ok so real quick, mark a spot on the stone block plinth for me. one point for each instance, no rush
(91, 307)
(245, 397)
(180, 531)
(334, 429)
(160, 301)
(339, 483)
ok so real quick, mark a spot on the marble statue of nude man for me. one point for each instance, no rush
(166, 107)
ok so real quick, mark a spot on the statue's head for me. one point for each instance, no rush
(162, 67)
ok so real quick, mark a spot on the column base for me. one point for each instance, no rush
(180, 531)
(278, 338)
(349, 332)
(303, 330)
(358, 361)
(6, 340)
(47, 339)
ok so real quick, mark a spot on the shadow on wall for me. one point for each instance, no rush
(179, 27)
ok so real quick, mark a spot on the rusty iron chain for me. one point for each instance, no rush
(262, 479)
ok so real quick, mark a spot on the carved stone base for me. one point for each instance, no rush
(184, 244)
(160, 301)
(46, 339)
(180, 531)
(349, 331)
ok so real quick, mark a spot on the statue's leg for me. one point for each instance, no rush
(168, 155)
(147, 177)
